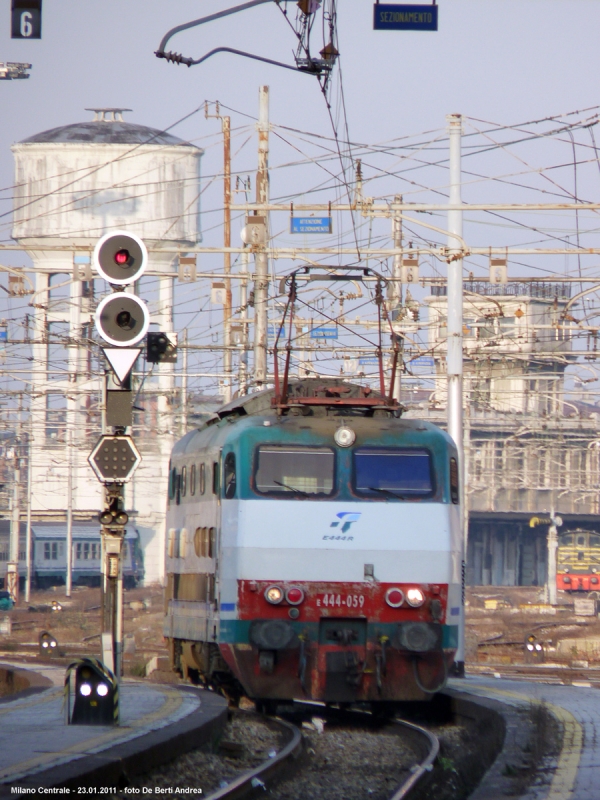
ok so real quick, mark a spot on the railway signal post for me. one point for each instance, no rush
(122, 320)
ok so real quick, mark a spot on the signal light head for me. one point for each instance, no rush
(120, 258)
(102, 689)
(415, 597)
(274, 595)
(122, 319)
(85, 689)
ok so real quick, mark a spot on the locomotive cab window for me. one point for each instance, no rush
(294, 471)
(454, 490)
(229, 478)
(183, 481)
(172, 482)
(392, 472)
(193, 480)
(594, 541)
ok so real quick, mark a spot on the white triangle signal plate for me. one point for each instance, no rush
(121, 360)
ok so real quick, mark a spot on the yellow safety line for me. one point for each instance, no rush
(173, 700)
(565, 775)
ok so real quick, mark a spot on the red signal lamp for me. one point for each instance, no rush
(122, 257)
(294, 596)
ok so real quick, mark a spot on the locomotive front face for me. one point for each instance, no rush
(337, 573)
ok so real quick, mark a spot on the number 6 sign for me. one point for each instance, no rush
(26, 19)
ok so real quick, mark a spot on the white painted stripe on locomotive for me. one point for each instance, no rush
(340, 526)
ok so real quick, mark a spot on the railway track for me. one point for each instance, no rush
(288, 760)
(556, 674)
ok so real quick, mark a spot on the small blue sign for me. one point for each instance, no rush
(3, 335)
(387, 17)
(273, 330)
(364, 360)
(324, 333)
(422, 361)
(311, 225)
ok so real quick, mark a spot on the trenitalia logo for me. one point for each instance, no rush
(345, 519)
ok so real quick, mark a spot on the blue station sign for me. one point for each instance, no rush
(394, 17)
(310, 224)
(324, 332)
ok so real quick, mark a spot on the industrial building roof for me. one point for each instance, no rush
(105, 132)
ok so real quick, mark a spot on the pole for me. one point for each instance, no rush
(69, 511)
(261, 284)
(243, 365)
(184, 384)
(454, 362)
(227, 307)
(552, 548)
(28, 531)
(15, 521)
(397, 286)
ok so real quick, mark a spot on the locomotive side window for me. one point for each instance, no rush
(193, 480)
(393, 472)
(172, 482)
(454, 489)
(294, 471)
(215, 478)
(201, 479)
(183, 481)
(229, 478)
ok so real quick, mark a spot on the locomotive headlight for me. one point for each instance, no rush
(344, 437)
(274, 594)
(415, 597)
(394, 597)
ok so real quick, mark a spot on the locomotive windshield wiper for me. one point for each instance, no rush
(387, 491)
(291, 488)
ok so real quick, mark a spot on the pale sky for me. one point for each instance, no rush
(499, 61)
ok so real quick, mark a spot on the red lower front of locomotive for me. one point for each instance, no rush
(573, 582)
(335, 642)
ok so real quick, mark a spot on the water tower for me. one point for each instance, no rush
(73, 184)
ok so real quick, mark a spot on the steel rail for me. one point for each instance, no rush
(256, 778)
(248, 781)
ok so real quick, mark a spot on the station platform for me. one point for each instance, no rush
(574, 774)
(38, 749)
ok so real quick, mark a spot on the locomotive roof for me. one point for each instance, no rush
(261, 402)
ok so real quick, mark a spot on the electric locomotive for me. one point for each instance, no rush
(578, 561)
(314, 548)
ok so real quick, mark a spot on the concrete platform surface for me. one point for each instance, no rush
(575, 774)
(158, 722)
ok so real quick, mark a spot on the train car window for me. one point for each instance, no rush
(182, 542)
(201, 479)
(294, 471)
(172, 483)
(581, 540)
(566, 540)
(183, 481)
(215, 477)
(50, 551)
(229, 478)
(391, 472)
(171, 543)
(193, 480)
(454, 485)
(594, 541)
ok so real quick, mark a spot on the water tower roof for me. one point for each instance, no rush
(105, 128)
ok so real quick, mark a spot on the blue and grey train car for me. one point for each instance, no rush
(49, 555)
(314, 550)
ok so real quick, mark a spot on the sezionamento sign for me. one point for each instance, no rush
(387, 17)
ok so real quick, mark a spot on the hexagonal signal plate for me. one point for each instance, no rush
(114, 459)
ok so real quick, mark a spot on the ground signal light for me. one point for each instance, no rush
(96, 693)
(114, 514)
(161, 348)
(534, 650)
(47, 645)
